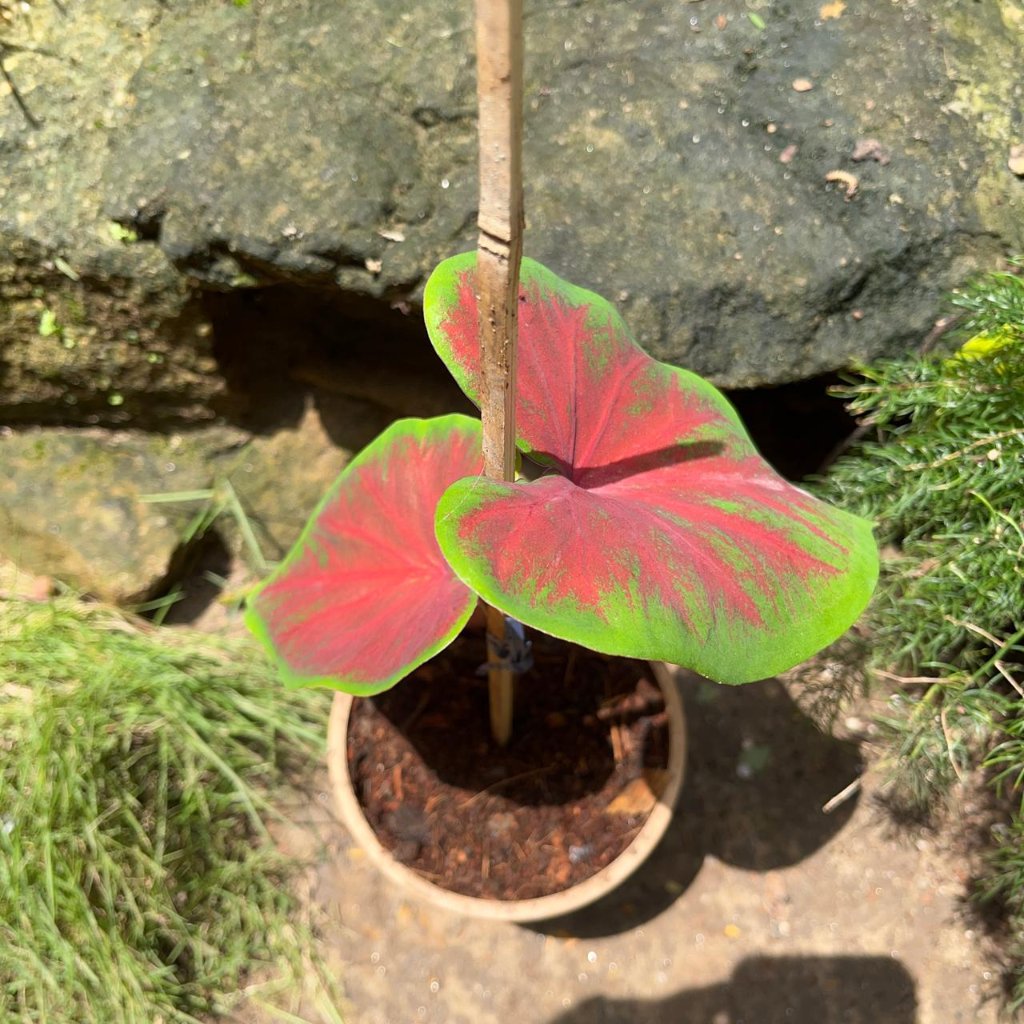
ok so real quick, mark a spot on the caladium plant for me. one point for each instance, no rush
(650, 528)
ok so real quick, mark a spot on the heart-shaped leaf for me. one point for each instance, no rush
(659, 531)
(365, 596)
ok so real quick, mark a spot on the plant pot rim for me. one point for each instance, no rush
(540, 908)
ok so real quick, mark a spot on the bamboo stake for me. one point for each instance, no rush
(499, 45)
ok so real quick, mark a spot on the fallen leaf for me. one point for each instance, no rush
(802, 85)
(66, 269)
(831, 10)
(1016, 161)
(721, 21)
(636, 799)
(786, 156)
(870, 149)
(846, 179)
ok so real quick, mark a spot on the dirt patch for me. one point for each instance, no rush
(566, 796)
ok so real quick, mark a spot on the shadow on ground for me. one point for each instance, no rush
(775, 990)
(759, 772)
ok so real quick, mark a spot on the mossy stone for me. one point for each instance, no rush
(670, 165)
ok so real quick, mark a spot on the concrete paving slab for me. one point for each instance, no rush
(757, 908)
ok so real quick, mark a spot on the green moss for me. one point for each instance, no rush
(982, 62)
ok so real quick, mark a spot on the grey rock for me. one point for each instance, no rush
(129, 340)
(76, 504)
(71, 504)
(109, 350)
(332, 148)
(280, 478)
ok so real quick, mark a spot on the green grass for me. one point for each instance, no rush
(941, 470)
(137, 884)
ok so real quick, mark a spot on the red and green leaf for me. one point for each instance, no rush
(365, 595)
(660, 533)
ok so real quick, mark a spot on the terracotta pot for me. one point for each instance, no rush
(541, 908)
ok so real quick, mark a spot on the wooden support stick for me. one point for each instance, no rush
(500, 681)
(499, 47)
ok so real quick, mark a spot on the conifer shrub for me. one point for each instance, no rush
(939, 466)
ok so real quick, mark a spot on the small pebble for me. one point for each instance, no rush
(578, 854)
(1016, 160)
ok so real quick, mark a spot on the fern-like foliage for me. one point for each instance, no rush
(940, 468)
